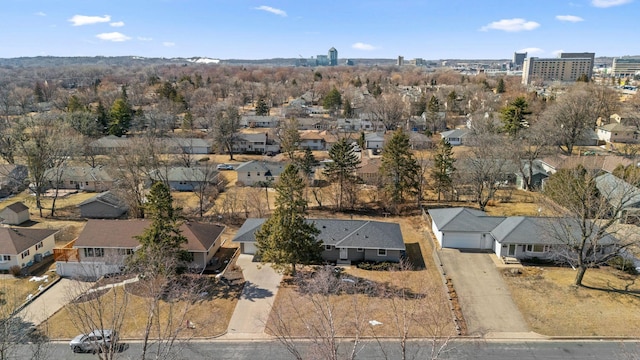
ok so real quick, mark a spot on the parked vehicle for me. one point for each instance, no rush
(224, 167)
(95, 341)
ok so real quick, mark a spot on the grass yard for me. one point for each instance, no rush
(15, 290)
(424, 300)
(551, 305)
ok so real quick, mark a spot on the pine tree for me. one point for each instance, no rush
(500, 88)
(342, 167)
(287, 238)
(333, 100)
(102, 117)
(120, 117)
(514, 115)
(433, 113)
(262, 109)
(161, 252)
(347, 110)
(399, 168)
(443, 167)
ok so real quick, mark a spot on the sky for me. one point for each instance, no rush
(264, 29)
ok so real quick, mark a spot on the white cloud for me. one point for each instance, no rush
(363, 46)
(511, 25)
(557, 53)
(169, 44)
(609, 3)
(569, 18)
(40, 13)
(531, 51)
(142, 38)
(272, 10)
(79, 20)
(117, 24)
(113, 36)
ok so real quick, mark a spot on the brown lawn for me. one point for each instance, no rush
(424, 301)
(551, 305)
(15, 290)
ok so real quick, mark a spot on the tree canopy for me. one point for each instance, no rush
(399, 168)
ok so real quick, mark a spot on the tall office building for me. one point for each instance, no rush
(518, 58)
(568, 67)
(626, 66)
(333, 57)
(400, 61)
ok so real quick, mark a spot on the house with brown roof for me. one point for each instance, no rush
(100, 250)
(312, 140)
(608, 163)
(15, 214)
(369, 172)
(23, 247)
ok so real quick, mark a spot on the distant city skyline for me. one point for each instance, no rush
(232, 29)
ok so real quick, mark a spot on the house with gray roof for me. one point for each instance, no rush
(257, 121)
(259, 172)
(110, 144)
(15, 214)
(85, 178)
(623, 197)
(13, 179)
(255, 143)
(344, 241)
(517, 237)
(455, 137)
(23, 247)
(182, 178)
(105, 205)
(179, 145)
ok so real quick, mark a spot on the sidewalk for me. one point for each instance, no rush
(50, 301)
(250, 315)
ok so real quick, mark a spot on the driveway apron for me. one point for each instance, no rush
(48, 303)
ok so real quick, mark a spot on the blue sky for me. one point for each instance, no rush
(247, 29)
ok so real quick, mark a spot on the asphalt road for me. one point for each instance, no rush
(263, 350)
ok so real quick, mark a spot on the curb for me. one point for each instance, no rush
(21, 307)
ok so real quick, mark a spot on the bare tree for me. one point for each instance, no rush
(389, 109)
(226, 127)
(533, 142)
(14, 330)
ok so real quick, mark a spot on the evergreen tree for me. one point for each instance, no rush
(333, 100)
(347, 110)
(120, 116)
(419, 107)
(307, 163)
(161, 252)
(344, 163)
(500, 88)
(187, 121)
(262, 109)
(102, 117)
(286, 238)
(583, 78)
(513, 115)
(74, 104)
(399, 168)
(433, 113)
(443, 167)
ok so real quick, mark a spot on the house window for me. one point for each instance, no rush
(93, 252)
(248, 173)
(537, 248)
(257, 174)
(360, 250)
(125, 251)
(5, 258)
(24, 254)
(39, 245)
(327, 247)
(382, 252)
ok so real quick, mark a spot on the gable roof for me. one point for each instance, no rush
(16, 207)
(619, 193)
(364, 234)
(274, 168)
(16, 240)
(100, 233)
(80, 173)
(107, 198)
(181, 173)
(456, 133)
(522, 230)
(463, 220)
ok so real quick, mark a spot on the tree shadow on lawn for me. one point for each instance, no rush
(190, 287)
(613, 289)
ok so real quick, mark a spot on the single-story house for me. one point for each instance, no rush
(313, 124)
(538, 174)
(616, 132)
(23, 247)
(178, 145)
(620, 195)
(257, 121)
(344, 241)
(455, 137)
(110, 144)
(369, 172)
(80, 178)
(259, 172)
(13, 179)
(100, 250)
(105, 205)
(517, 237)
(182, 178)
(420, 141)
(373, 141)
(15, 214)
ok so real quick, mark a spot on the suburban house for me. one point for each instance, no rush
(259, 172)
(312, 140)
(358, 125)
(13, 179)
(110, 144)
(620, 195)
(23, 247)
(538, 174)
(616, 132)
(80, 178)
(606, 163)
(369, 172)
(182, 178)
(100, 250)
(105, 205)
(344, 241)
(420, 141)
(373, 141)
(255, 143)
(455, 137)
(178, 145)
(517, 237)
(15, 214)
(256, 121)
(313, 124)
(419, 123)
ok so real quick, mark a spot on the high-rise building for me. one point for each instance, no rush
(518, 58)
(333, 57)
(568, 67)
(625, 66)
(400, 61)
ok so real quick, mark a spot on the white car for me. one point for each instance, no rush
(224, 167)
(95, 341)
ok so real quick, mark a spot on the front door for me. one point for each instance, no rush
(512, 250)
(344, 253)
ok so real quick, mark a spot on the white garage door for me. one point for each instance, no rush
(249, 248)
(462, 240)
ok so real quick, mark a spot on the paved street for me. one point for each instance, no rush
(484, 297)
(261, 287)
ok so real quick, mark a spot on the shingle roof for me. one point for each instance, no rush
(619, 193)
(16, 240)
(107, 198)
(80, 173)
(457, 133)
(100, 233)
(464, 220)
(340, 233)
(262, 166)
(181, 173)
(522, 230)
(17, 207)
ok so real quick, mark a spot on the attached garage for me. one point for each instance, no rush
(248, 248)
(461, 240)
(463, 228)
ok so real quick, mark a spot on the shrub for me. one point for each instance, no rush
(15, 270)
(377, 266)
(623, 264)
(204, 159)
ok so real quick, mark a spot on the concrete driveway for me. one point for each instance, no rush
(484, 297)
(49, 302)
(260, 289)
